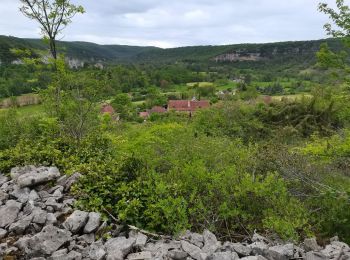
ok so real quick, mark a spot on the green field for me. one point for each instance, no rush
(27, 111)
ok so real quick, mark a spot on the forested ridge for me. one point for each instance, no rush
(115, 54)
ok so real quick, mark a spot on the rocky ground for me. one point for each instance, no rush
(38, 221)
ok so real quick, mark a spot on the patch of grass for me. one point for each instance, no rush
(27, 111)
(200, 84)
(138, 103)
(291, 97)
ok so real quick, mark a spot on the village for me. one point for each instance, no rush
(183, 106)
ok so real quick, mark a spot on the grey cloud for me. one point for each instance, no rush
(182, 22)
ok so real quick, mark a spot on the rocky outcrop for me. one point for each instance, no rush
(38, 221)
(239, 56)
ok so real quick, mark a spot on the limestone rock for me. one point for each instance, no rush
(194, 251)
(69, 181)
(86, 239)
(48, 240)
(39, 216)
(9, 212)
(258, 257)
(18, 171)
(97, 251)
(239, 248)
(3, 179)
(118, 248)
(58, 254)
(57, 195)
(193, 238)
(51, 219)
(146, 255)
(22, 243)
(211, 244)
(33, 196)
(258, 248)
(21, 225)
(76, 221)
(93, 222)
(21, 194)
(3, 196)
(224, 256)
(259, 238)
(315, 256)
(38, 176)
(3, 233)
(310, 244)
(141, 240)
(283, 250)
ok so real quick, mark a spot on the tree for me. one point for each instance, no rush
(123, 106)
(71, 99)
(52, 15)
(339, 17)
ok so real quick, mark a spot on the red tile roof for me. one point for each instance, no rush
(108, 109)
(144, 114)
(187, 105)
(157, 109)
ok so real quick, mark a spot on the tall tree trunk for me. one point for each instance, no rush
(53, 48)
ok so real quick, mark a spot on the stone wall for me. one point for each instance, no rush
(38, 221)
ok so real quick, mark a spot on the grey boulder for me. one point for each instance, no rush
(63, 255)
(9, 213)
(67, 182)
(48, 240)
(3, 233)
(224, 256)
(21, 194)
(93, 222)
(38, 176)
(76, 221)
(18, 171)
(141, 240)
(310, 244)
(3, 179)
(146, 255)
(194, 251)
(193, 238)
(177, 255)
(315, 256)
(21, 225)
(97, 251)
(211, 244)
(240, 249)
(258, 257)
(118, 248)
(39, 216)
(3, 196)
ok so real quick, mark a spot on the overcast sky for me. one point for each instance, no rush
(172, 23)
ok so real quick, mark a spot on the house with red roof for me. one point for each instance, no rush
(108, 109)
(187, 105)
(153, 110)
(157, 109)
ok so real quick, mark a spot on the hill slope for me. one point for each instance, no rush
(91, 52)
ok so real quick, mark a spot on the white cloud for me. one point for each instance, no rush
(179, 23)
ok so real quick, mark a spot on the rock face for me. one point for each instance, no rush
(38, 222)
